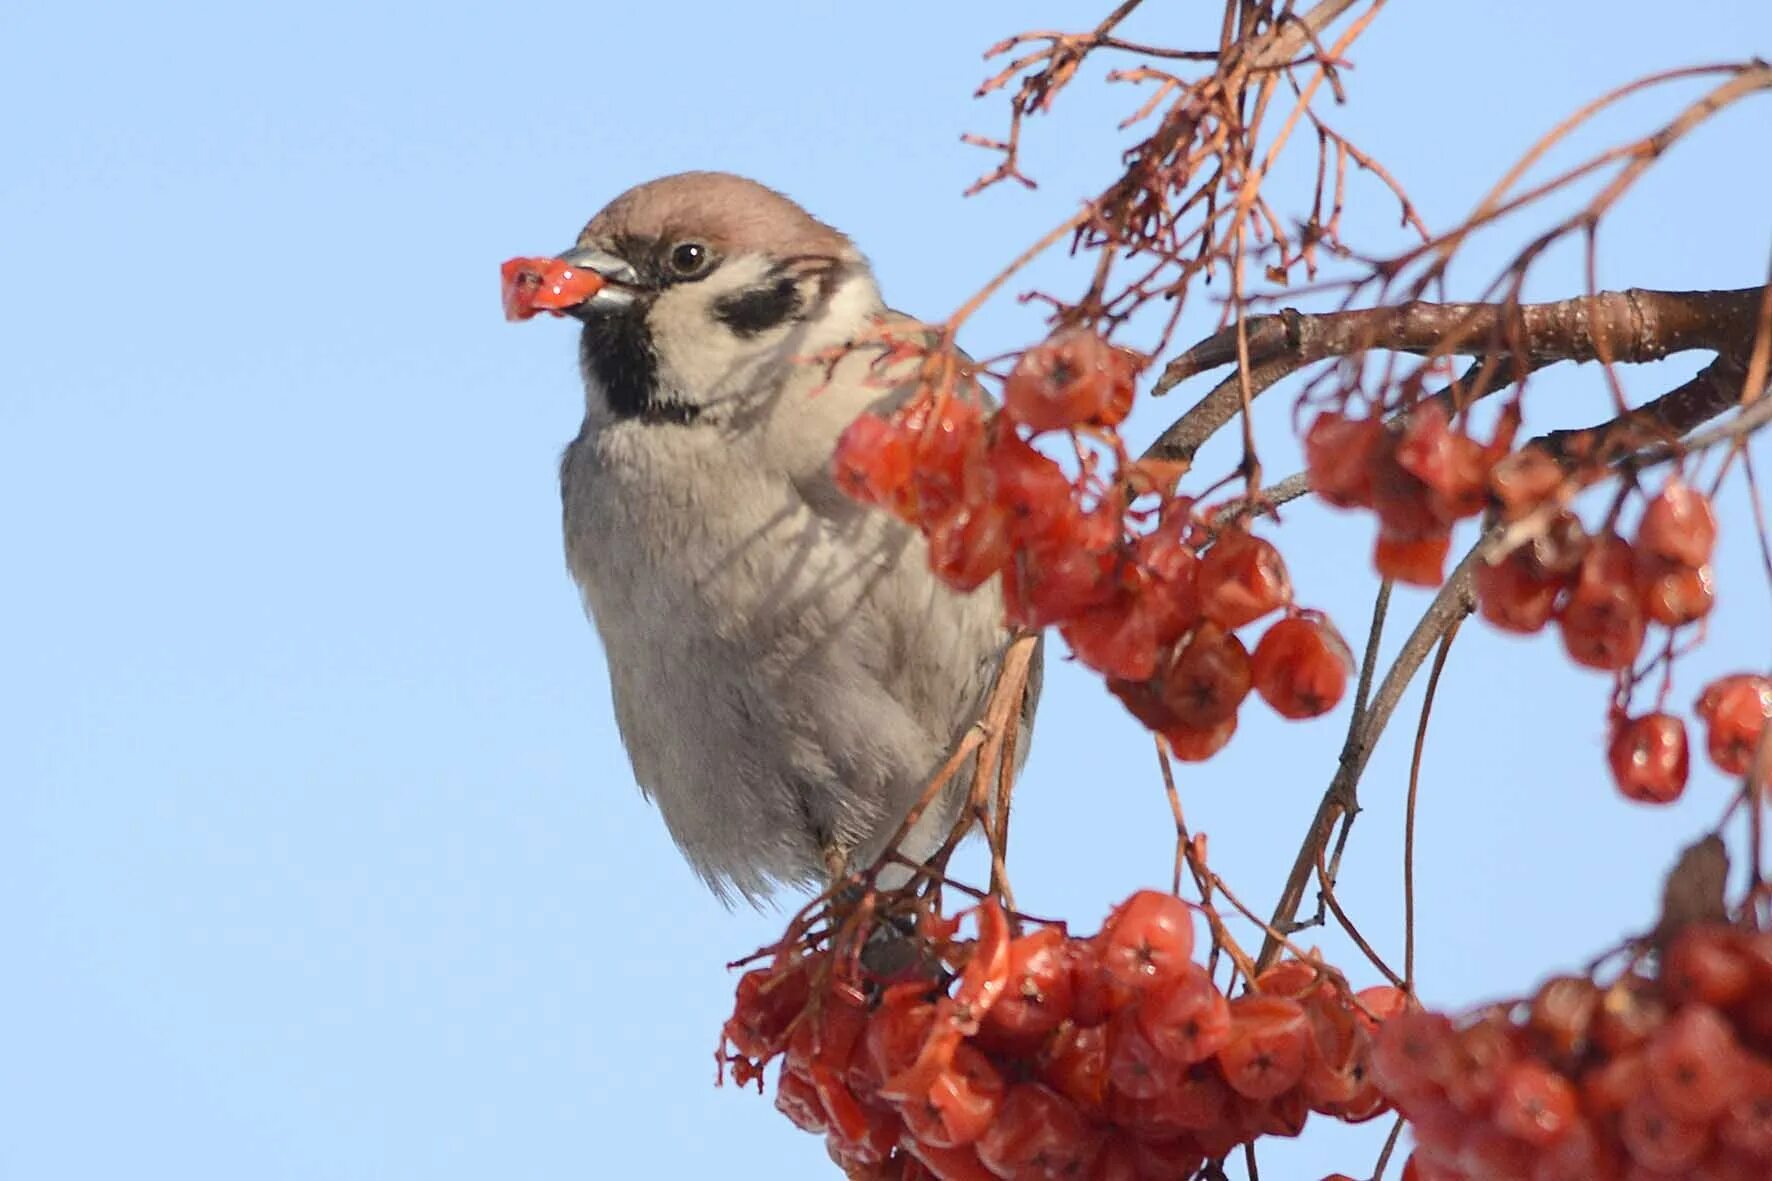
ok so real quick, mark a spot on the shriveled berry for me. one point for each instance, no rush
(1674, 596)
(1602, 620)
(1074, 379)
(1339, 456)
(1241, 578)
(1301, 666)
(1207, 677)
(1678, 526)
(1648, 757)
(1515, 594)
(1194, 745)
(1523, 481)
(1735, 709)
(960, 1104)
(1416, 559)
(873, 461)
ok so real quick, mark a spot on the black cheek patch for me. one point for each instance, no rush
(748, 313)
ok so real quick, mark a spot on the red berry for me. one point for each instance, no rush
(768, 1001)
(1674, 595)
(1269, 1041)
(1678, 526)
(960, 1104)
(1038, 1134)
(1602, 620)
(1038, 995)
(1241, 578)
(1514, 594)
(1032, 490)
(1206, 679)
(1149, 938)
(1658, 1141)
(1451, 465)
(949, 448)
(1696, 1069)
(1340, 454)
(873, 461)
(1705, 963)
(1301, 666)
(969, 545)
(1535, 1103)
(1076, 378)
(1413, 559)
(1187, 1018)
(1191, 745)
(1648, 757)
(796, 1099)
(1171, 591)
(1075, 1062)
(1117, 638)
(1735, 709)
(1524, 481)
(1562, 1013)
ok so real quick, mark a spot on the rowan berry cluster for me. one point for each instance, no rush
(1151, 598)
(1666, 1072)
(1602, 590)
(1042, 1055)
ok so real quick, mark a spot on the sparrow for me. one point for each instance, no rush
(787, 674)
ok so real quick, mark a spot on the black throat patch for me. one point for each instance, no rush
(616, 347)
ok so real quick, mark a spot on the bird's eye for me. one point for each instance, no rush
(688, 257)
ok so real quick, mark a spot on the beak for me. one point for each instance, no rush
(572, 284)
(617, 280)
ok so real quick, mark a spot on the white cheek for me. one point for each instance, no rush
(697, 356)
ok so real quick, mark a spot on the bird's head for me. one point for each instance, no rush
(694, 288)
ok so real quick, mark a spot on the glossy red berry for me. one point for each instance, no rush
(1149, 938)
(1186, 1018)
(1266, 1051)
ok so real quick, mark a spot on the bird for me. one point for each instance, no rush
(787, 674)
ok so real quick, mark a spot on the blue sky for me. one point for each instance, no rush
(319, 857)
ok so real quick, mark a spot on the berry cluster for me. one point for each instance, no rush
(1602, 590)
(1151, 599)
(1420, 479)
(1663, 1073)
(1112, 1058)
